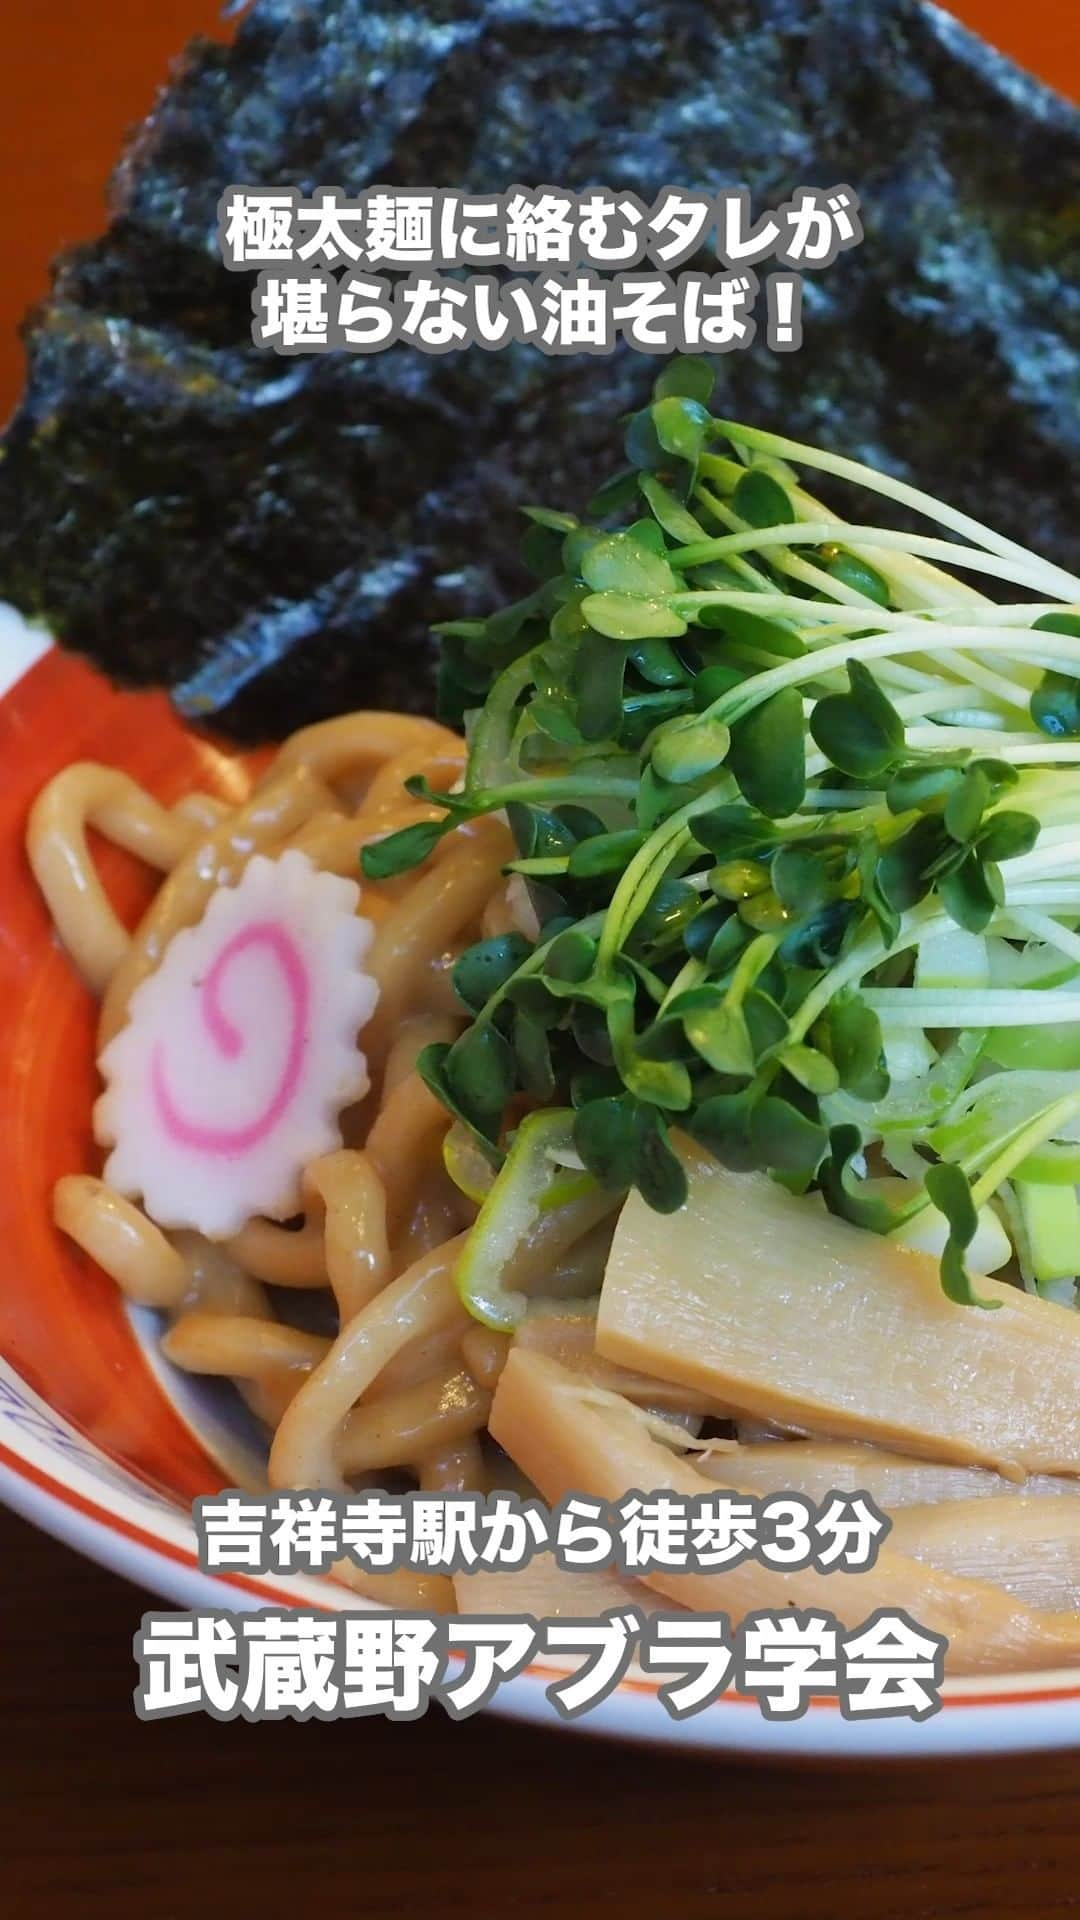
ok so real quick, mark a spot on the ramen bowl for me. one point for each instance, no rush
(102, 1443)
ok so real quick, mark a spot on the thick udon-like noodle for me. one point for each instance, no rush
(343, 1330)
(390, 1388)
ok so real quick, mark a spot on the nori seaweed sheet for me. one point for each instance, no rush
(272, 537)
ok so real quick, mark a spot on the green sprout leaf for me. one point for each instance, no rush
(480, 1072)
(689, 748)
(784, 1139)
(1007, 835)
(571, 956)
(541, 552)
(682, 426)
(842, 1189)
(972, 892)
(548, 517)
(950, 1192)
(801, 878)
(871, 890)
(922, 788)
(486, 966)
(768, 754)
(532, 1055)
(903, 871)
(431, 1066)
(675, 519)
(813, 1070)
(604, 853)
(659, 1174)
(762, 501)
(860, 732)
(643, 449)
(539, 834)
(715, 1029)
(755, 630)
(659, 1083)
(713, 926)
(857, 574)
(626, 616)
(673, 905)
(658, 663)
(619, 563)
(618, 493)
(966, 805)
(687, 374)
(596, 687)
(1055, 706)
(855, 1045)
(604, 1135)
(555, 720)
(728, 831)
(722, 1124)
(766, 1023)
(400, 852)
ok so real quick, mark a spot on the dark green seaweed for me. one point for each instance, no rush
(272, 538)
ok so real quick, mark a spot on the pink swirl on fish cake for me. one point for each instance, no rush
(230, 1043)
(241, 1051)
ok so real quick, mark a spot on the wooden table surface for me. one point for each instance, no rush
(102, 1815)
(107, 1818)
